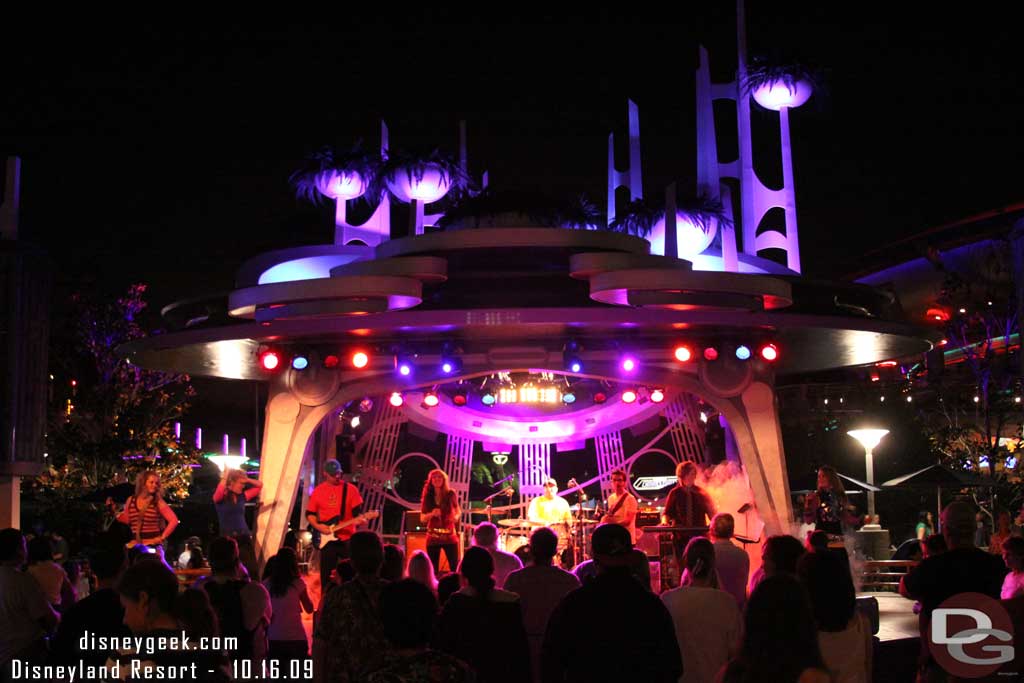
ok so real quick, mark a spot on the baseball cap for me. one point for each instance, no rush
(612, 540)
(332, 467)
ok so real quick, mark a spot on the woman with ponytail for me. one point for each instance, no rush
(474, 614)
(707, 620)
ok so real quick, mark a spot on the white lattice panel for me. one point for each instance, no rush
(686, 429)
(609, 458)
(458, 462)
(378, 458)
(534, 468)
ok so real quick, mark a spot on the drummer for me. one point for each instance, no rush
(549, 509)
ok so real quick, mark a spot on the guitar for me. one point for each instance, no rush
(337, 525)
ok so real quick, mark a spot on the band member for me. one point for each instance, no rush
(334, 500)
(550, 508)
(621, 505)
(150, 518)
(229, 500)
(826, 507)
(688, 506)
(440, 511)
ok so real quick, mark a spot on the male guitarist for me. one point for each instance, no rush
(621, 505)
(334, 501)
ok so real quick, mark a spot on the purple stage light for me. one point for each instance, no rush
(629, 364)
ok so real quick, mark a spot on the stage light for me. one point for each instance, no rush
(711, 353)
(270, 360)
(683, 354)
(742, 352)
(354, 423)
(571, 360)
(459, 398)
(450, 360)
(300, 362)
(396, 400)
(366, 405)
(628, 364)
(331, 361)
(489, 398)
(568, 397)
(769, 352)
(600, 397)
(430, 399)
(628, 396)
(360, 360)
(657, 395)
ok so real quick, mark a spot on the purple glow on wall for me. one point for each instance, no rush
(691, 238)
(242, 448)
(177, 431)
(776, 95)
(199, 437)
(226, 442)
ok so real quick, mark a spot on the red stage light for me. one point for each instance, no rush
(459, 399)
(270, 360)
(430, 399)
(396, 400)
(710, 353)
(360, 359)
(770, 352)
(600, 397)
(657, 395)
(683, 354)
(887, 364)
(628, 396)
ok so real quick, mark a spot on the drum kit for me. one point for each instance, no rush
(573, 538)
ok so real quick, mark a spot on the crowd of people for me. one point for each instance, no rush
(386, 618)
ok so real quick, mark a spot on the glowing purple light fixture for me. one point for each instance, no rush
(628, 364)
(776, 95)
(342, 185)
(426, 184)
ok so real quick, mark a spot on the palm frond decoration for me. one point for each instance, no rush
(637, 218)
(491, 208)
(705, 212)
(413, 165)
(309, 180)
(768, 71)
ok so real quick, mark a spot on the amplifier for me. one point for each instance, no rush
(648, 518)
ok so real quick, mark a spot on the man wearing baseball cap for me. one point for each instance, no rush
(613, 613)
(333, 501)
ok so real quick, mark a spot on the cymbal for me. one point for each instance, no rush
(516, 522)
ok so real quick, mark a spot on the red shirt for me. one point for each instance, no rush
(325, 502)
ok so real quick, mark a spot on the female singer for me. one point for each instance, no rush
(229, 500)
(440, 509)
(828, 503)
(151, 519)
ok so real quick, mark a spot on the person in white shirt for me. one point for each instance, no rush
(707, 620)
(621, 505)
(486, 536)
(190, 543)
(549, 509)
(731, 562)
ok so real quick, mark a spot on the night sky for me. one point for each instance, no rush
(160, 152)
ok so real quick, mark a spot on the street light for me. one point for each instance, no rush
(869, 438)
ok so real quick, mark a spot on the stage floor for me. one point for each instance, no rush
(896, 618)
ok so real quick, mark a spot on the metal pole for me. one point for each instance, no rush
(871, 480)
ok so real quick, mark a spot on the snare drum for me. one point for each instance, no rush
(511, 542)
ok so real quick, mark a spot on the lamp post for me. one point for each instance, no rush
(869, 438)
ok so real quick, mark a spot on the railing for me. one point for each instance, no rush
(186, 577)
(884, 574)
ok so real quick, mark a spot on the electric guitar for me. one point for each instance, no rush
(337, 525)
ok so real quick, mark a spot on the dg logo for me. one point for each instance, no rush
(971, 635)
